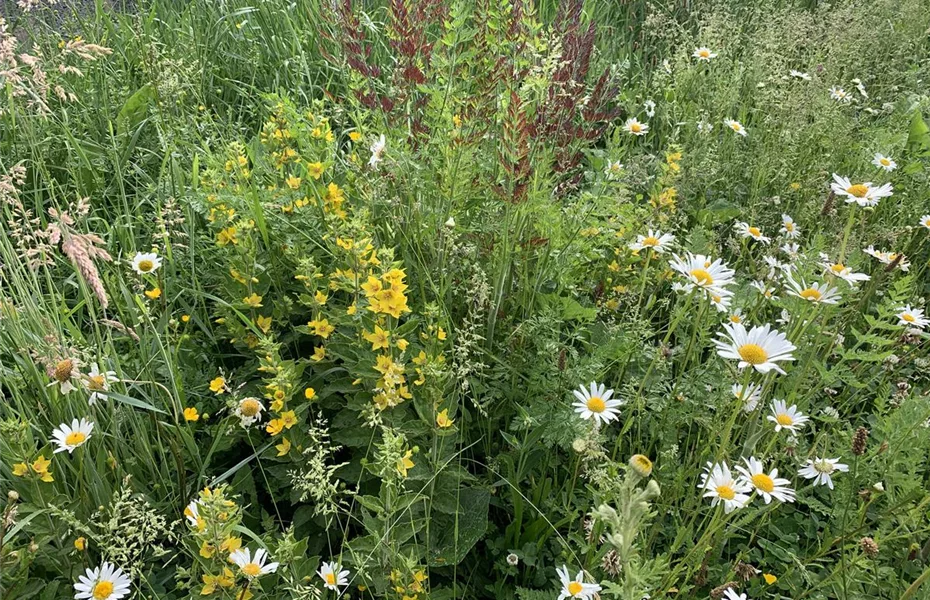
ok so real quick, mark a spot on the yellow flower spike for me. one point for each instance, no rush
(284, 447)
(191, 414)
(153, 294)
(80, 544)
(218, 385)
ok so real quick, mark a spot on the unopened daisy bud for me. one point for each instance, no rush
(652, 489)
(860, 439)
(869, 547)
(513, 560)
(450, 222)
(579, 445)
(12, 495)
(641, 465)
(878, 486)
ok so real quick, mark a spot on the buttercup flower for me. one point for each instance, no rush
(767, 485)
(760, 347)
(719, 485)
(250, 566)
(576, 588)
(105, 582)
(333, 578)
(594, 402)
(144, 263)
(70, 437)
(786, 417)
(655, 240)
(821, 469)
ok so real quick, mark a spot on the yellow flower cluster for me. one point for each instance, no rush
(38, 468)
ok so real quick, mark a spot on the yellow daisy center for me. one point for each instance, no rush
(823, 466)
(735, 126)
(838, 268)
(251, 569)
(927, 222)
(331, 579)
(702, 277)
(908, 317)
(858, 190)
(102, 590)
(146, 265)
(811, 294)
(885, 162)
(651, 241)
(763, 482)
(784, 420)
(249, 407)
(736, 319)
(96, 382)
(64, 369)
(703, 53)
(754, 354)
(574, 588)
(75, 437)
(726, 492)
(596, 404)
(789, 226)
(636, 127)
(755, 231)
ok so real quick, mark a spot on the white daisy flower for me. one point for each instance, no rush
(700, 271)
(377, 150)
(884, 162)
(786, 417)
(720, 486)
(788, 227)
(650, 107)
(252, 566)
(731, 594)
(767, 485)
(656, 240)
(925, 221)
(840, 95)
(759, 348)
(720, 299)
(106, 582)
(634, 127)
(861, 88)
(820, 470)
(736, 316)
(776, 267)
(144, 263)
(751, 398)
(793, 250)
(576, 588)
(767, 291)
(98, 382)
(613, 169)
(736, 126)
(842, 271)
(704, 126)
(703, 53)
(888, 258)
(818, 293)
(800, 75)
(249, 410)
(332, 575)
(912, 317)
(863, 194)
(747, 231)
(595, 403)
(69, 437)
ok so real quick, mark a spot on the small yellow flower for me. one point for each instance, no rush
(292, 182)
(309, 393)
(80, 543)
(191, 414)
(769, 578)
(227, 236)
(319, 353)
(275, 426)
(289, 419)
(320, 297)
(355, 136)
(442, 419)
(352, 309)
(404, 463)
(40, 466)
(402, 344)
(207, 550)
(185, 318)
(218, 385)
(255, 301)
(321, 328)
(315, 170)
(441, 334)
(379, 338)
(284, 447)
(20, 469)
(263, 323)
(153, 294)
(231, 544)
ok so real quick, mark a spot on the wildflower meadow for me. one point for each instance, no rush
(464, 299)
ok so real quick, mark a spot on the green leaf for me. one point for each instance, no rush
(918, 136)
(135, 109)
(134, 402)
(456, 534)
